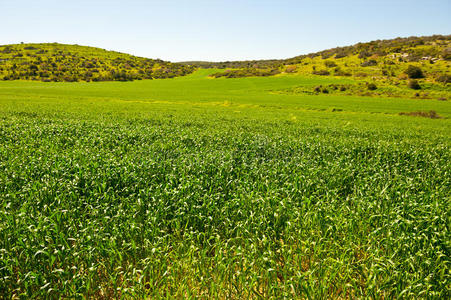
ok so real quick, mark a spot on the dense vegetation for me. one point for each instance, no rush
(413, 48)
(247, 72)
(383, 88)
(222, 188)
(58, 62)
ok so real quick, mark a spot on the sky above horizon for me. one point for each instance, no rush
(219, 30)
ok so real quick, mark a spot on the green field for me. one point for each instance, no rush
(221, 188)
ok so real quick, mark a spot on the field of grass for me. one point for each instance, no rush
(227, 188)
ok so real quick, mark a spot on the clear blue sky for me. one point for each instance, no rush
(219, 30)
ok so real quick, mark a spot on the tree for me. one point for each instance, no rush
(414, 72)
(372, 86)
(413, 84)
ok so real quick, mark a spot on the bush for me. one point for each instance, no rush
(321, 72)
(372, 87)
(340, 72)
(369, 63)
(414, 85)
(414, 72)
(341, 55)
(446, 55)
(248, 72)
(330, 64)
(364, 54)
(360, 74)
(445, 78)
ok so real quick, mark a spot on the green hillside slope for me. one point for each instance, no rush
(59, 62)
(382, 59)
(416, 48)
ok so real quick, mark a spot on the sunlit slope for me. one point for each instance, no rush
(53, 62)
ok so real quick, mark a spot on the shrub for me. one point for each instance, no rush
(341, 55)
(446, 55)
(7, 50)
(445, 78)
(369, 63)
(414, 72)
(372, 86)
(360, 74)
(340, 72)
(413, 84)
(321, 72)
(330, 64)
(248, 72)
(364, 54)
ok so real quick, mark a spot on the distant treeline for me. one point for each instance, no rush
(58, 62)
(415, 48)
(246, 72)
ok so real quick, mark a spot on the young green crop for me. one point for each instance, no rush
(200, 187)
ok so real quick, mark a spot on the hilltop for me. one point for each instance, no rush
(61, 62)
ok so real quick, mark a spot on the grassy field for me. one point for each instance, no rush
(227, 188)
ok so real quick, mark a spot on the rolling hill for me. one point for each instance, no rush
(414, 67)
(381, 59)
(59, 62)
(415, 48)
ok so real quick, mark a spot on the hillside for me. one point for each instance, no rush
(60, 62)
(415, 67)
(382, 59)
(416, 48)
